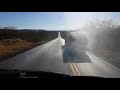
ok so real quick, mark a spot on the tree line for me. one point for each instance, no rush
(8, 27)
(28, 35)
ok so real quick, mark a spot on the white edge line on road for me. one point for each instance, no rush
(105, 62)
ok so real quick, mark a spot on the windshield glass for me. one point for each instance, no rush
(75, 43)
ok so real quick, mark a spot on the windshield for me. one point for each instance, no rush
(75, 43)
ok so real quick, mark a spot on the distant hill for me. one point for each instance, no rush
(31, 30)
(32, 35)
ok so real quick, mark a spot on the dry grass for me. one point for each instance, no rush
(11, 47)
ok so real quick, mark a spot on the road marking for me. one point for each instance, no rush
(104, 61)
(74, 69)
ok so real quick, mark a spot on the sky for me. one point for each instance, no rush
(52, 20)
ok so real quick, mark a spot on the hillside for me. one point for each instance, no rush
(12, 47)
(30, 35)
(13, 42)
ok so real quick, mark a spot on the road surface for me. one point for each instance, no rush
(48, 57)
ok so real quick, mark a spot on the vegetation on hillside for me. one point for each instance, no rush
(14, 41)
(104, 38)
(12, 47)
(29, 35)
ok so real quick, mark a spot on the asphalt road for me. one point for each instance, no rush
(49, 57)
(46, 57)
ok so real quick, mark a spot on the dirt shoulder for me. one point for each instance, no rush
(12, 47)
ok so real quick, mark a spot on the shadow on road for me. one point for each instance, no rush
(72, 56)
